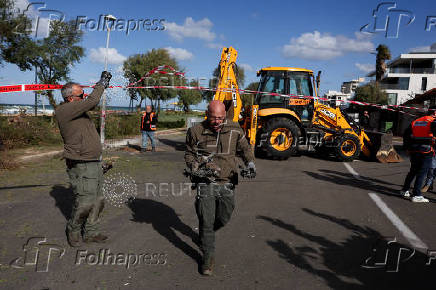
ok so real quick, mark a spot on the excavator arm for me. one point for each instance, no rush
(227, 90)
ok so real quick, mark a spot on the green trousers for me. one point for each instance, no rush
(86, 181)
(214, 205)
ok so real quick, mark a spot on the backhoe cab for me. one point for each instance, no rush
(287, 115)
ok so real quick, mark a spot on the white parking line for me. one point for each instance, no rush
(413, 239)
(351, 170)
(396, 221)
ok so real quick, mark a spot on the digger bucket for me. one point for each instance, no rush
(382, 148)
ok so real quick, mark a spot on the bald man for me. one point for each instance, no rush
(222, 139)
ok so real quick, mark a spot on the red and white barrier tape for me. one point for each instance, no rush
(161, 70)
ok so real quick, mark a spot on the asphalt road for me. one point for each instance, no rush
(304, 223)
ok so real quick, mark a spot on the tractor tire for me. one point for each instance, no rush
(347, 147)
(280, 138)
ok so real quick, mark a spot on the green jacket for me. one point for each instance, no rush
(226, 145)
(81, 139)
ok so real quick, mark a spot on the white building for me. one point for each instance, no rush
(337, 98)
(350, 86)
(409, 74)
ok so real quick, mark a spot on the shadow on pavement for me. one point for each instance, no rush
(365, 183)
(134, 146)
(177, 145)
(364, 260)
(166, 222)
(64, 199)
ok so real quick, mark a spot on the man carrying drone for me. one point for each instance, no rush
(211, 157)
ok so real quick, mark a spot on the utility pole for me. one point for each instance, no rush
(107, 18)
(36, 92)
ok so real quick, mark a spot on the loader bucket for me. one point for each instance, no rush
(382, 148)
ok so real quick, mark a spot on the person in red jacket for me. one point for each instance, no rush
(419, 139)
(148, 127)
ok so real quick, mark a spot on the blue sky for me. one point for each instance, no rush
(319, 35)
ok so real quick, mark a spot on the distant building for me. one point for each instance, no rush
(408, 75)
(350, 86)
(337, 98)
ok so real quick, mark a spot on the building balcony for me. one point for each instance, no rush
(398, 87)
(404, 70)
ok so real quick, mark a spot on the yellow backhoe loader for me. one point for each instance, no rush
(287, 115)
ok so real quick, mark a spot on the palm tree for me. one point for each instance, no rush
(383, 54)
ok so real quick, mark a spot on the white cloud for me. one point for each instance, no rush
(246, 67)
(214, 45)
(190, 28)
(114, 57)
(420, 49)
(323, 46)
(365, 67)
(179, 53)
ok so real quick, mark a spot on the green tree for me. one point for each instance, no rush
(189, 97)
(136, 66)
(383, 54)
(51, 56)
(213, 82)
(54, 55)
(371, 93)
(14, 35)
(248, 99)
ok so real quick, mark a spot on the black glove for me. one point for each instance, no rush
(104, 79)
(249, 171)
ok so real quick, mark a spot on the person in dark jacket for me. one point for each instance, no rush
(148, 127)
(220, 141)
(364, 121)
(419, 140)
(82, 153)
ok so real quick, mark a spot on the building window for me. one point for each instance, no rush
(392, 99)
(403, 83)
(424, 84)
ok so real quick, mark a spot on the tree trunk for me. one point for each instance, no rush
(51, 99)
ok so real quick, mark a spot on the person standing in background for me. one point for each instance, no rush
(148, 127)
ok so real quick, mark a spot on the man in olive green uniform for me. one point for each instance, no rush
(82, 152)
(220, 139)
